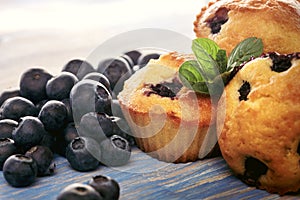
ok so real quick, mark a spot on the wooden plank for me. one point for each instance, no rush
(147, 178)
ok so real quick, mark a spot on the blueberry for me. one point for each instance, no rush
(6, 127)
(68, 105)
(17, 107)
(117, 70)
(78, 67)
(128, 60)
(254, 168)
(59, 87)
(29, 132)
(96, 76)
(103, 99)
(161, 90)
(244, 91)
(79, 191)
(116, 109)
(121, 128)
(281, 63)
(146, 57)
(7, 148)
(43, 157)
(40, 104)
(53, 115)
(106, 186)
(89, 96)
(48, 140)
(6, 94)
(220, 18)
(115, 151)
(68, 134)
(95, 125)
(19, 170)
(134, 55)
(82, 154)
(33, 84)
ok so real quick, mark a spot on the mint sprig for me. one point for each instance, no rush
(212, 68)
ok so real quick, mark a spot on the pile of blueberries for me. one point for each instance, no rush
(74, 114)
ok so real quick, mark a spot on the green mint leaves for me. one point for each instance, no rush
(211, 69)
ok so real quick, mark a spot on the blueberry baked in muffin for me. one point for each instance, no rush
(227, 22)
(168, 120)
(259, 123)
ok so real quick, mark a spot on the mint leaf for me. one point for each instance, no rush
(190, 76)
(208, 45)
(206, 52)
(211, 70)
(250, 47)
(222, 60)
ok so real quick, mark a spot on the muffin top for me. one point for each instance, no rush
(157, 87)
(228, 22)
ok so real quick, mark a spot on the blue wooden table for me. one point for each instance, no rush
(146, 178)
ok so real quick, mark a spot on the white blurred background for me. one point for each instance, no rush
(50, 33)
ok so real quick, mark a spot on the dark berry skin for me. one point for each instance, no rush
(29, 132)
(106, 186)
(116, 70)
(103, 99)
(53, 115)
(82, 154)
(78, 67)
(48, 140)
(7, 148)
(96, 76)
(79, 191)
(116, 109)
(146, 57)
(115, 151)
(40, 104)
(6, 127)
(68, 105)
(68, 134)
(121, 128)
(254, 169)
(17, 107)
(59, 87)
(220, 18)
(281, 63)
(33, 84)
(244, 91)
(134, 55)
(128, 59)
(95, 125)
(6, 94)
(89, 96)
(19, 170)
(43, 157)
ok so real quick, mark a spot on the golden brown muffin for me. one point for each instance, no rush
(168, 121)
(228, 22)
(259, 123)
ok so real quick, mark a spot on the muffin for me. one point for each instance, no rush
(228, 22)
(169, 121)
(259, 123)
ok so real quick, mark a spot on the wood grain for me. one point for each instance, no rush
(147, 178)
